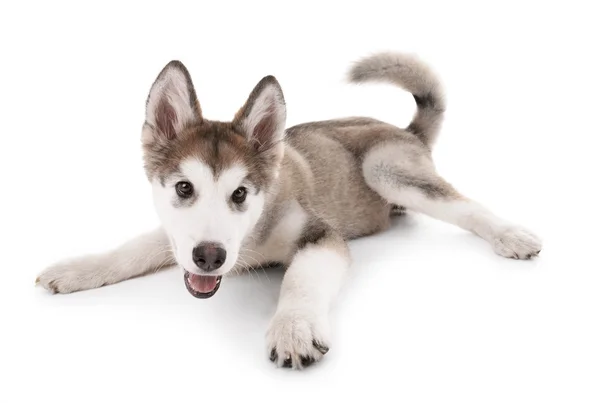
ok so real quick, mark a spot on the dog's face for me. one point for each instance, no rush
(210, 179)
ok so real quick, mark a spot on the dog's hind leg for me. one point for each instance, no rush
(146, 253)
(404, 174)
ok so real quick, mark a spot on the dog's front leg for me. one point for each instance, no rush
(143, 254)
(299, 332)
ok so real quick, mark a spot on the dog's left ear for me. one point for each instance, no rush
(171, 104)
(262, 118)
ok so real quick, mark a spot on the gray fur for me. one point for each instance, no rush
(413, 75)
(396, 177)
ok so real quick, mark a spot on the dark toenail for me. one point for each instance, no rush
(287, 363)
(273, 356)
(306, 360)
(323, 349)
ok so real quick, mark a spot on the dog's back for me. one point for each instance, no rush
(334, 150)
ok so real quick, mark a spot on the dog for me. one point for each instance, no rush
(249, 192)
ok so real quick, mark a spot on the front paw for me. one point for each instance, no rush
(297, 338)
(516, 243)
(70, 276)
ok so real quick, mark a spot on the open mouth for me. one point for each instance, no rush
(201, 286)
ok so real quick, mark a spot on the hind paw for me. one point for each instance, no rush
(516, 243)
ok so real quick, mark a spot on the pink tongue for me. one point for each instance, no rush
(202, 284)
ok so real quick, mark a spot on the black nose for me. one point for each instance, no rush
(209, 256)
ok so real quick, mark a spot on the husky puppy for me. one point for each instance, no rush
(248, 192)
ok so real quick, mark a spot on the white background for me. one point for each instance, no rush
(430, 313)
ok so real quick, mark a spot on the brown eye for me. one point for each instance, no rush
(184, 189)
(239, 196)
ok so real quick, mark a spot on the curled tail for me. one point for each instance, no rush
(411, 74)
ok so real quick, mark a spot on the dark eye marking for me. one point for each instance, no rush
(184, 189)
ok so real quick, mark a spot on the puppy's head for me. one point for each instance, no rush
(210, 179)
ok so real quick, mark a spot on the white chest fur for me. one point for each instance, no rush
(281, 243)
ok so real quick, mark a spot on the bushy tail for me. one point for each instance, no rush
(411, 74)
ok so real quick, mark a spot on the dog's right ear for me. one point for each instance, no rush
(171, 104)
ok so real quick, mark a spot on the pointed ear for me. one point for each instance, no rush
(262, 118)
(171, 104)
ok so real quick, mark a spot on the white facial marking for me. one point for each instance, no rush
(211, 217)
